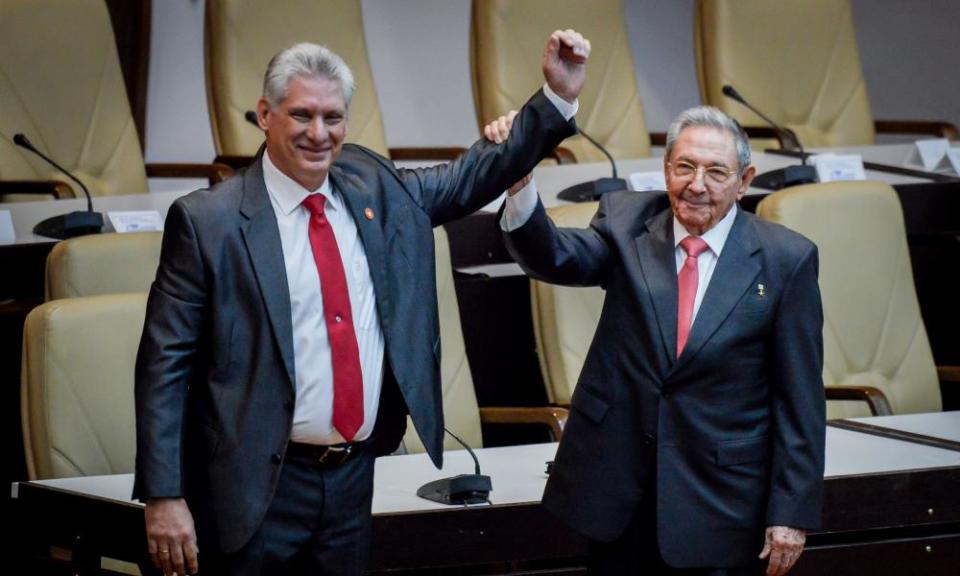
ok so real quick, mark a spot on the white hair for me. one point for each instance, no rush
(712, 118)
(305, 59)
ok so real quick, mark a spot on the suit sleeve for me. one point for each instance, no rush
(167, 358)
(798, 407)
(567, 256)
(485, 170)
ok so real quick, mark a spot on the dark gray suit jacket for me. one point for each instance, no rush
(215, 371)
(731, 434)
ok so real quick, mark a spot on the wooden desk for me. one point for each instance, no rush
(891, 507)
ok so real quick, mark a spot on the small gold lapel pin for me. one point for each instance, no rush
(761, 290)
(368, 212)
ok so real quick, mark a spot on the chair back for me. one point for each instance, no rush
(507, 39)
(795, 60)
(460, 410)
(103, 264)
(873, 334)
(77, 385)
(565, 318)
(242, 35)
(61, 86)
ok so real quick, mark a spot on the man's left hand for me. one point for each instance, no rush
(565, 63)
(783, 546)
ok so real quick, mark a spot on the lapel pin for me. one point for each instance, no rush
(761, 291)
(368, 212)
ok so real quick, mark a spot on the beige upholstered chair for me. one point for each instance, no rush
(461, 413)
(241, 37)
(873, 334)
(798, 62)
(506, 46)
(61, 86)
(565, 318)
(102, 264)
(77, 385)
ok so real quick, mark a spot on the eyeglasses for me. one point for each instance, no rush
(712, 174)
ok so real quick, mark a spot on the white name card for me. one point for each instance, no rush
(136, 221)
(7, 234)
(950, 163)
(928, 152)
(838, 167)
(646, 181)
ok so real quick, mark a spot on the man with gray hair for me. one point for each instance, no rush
(293, 324)
(696, 440)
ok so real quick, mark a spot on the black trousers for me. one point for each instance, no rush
(318, 523)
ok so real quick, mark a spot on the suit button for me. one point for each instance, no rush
(666, 395)
(649, 439)
(276, 458)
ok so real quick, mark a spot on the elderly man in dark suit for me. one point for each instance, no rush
(696, 440)
(293, 325)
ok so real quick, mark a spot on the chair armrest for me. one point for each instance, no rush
(949, 374)
(563, 155)
(426, 153)
(553, 417)
(658, 138)
(54, 188)
(768, 132)
(922, 127)
(213, 172)
(235, 162)
(874, 397)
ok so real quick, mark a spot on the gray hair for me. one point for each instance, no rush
(713, 118)
(305, 59)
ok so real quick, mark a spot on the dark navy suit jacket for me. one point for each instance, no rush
(215, 370)
(731, 434)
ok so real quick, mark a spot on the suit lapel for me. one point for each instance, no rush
(659, 267)
(733, 275)
(368, 215)
(262, 239)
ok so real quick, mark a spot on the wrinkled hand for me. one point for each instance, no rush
(171, 538)
(497, 132)
(783, 546)
(565, 63)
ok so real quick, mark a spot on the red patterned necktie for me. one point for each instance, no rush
(687, 282)
(344, 351)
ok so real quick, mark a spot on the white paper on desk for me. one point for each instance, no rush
(928, 152)
(7, 234)
(646, 181)
(136, 221)
(839, 167)
(950, 163)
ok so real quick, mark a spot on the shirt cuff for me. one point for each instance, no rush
(567, 109)
(519, 207)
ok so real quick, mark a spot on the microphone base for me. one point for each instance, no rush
(79, 223)
(458, 490)
(786, 177)
(592, 190)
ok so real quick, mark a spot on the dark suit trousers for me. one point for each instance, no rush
(636, 553)
(318, 523)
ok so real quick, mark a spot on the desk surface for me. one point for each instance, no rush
(518, 472)
(944, 425)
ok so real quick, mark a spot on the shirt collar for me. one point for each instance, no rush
(715, 237)
(286, 192)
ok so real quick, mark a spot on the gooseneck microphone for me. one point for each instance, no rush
(462, 489)
(594, 189)
(782, 177)
(77, 223)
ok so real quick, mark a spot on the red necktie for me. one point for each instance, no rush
(687, 282)
(344, 351)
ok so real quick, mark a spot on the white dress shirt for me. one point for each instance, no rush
(519, 207)
(313, 411)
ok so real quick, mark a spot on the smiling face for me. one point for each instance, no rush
(699, 201)
(305, 131)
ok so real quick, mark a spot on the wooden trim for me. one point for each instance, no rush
(895, 434)
(553, 417)
(658, 138)
(563, 155)
(918, 127)
(212, 172)
(59, 190)
(949, 373)
(874, 397)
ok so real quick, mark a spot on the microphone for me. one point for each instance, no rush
(77, 223)
(782, 177)
(462, 489)
(594, 189)
(251, 117)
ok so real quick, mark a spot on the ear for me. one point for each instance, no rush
(746, 179)
(263, 108)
